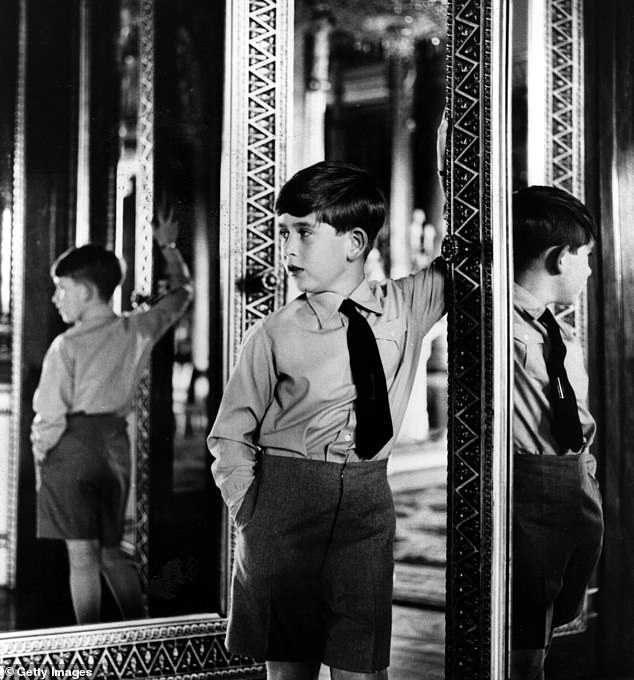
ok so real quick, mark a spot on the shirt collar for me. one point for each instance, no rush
(325, 305)
(527, 302)
(95, 321)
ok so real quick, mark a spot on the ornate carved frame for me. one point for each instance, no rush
(259, 35)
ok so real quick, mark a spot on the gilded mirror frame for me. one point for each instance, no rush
(257, 101)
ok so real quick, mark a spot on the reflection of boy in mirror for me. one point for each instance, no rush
(557, 517)
(89, 378)
(304, 431)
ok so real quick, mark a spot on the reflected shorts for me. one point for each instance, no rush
(86, 481)
(312, 577)
(557, 537)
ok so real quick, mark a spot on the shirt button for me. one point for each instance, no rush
(347, 437)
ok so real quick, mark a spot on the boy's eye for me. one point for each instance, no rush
(304, 233)
(283, 234)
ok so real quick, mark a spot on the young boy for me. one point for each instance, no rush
(80, 444)
(557, 517)
(303, 433)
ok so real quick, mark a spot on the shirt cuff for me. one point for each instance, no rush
(232, 470)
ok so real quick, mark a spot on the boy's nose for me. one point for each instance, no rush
(289, 246)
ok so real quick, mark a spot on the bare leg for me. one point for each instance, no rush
(85, 580)
(292, 670)
(123, 581)
(527, 664)
(338, 674)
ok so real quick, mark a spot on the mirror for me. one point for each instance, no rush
(548, 139)
(137, 104)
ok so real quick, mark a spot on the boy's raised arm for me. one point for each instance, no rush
(176, 289)
(165, 234)
(425, 293)
(176, 271)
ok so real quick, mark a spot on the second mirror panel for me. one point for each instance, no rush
(370, 90)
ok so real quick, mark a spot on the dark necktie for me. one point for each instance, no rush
(374, 422)
(566, 427)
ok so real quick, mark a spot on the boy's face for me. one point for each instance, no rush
(575, 270)
(316, 256)
(70, 298)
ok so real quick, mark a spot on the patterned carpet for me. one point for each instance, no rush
(420, 497)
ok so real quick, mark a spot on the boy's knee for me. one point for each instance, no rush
(82, 554)
(292, 670)
(527, 664)
(111, 556)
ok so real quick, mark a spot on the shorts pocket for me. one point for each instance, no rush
(247, 507)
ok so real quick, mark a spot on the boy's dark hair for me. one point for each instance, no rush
(544, 217)
(93, 264)
(340, 194)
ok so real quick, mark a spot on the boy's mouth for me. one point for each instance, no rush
(293, 270)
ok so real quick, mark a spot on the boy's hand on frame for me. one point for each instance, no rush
(165, 227)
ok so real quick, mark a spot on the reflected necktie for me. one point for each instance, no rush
(566, 427)
(374, 422)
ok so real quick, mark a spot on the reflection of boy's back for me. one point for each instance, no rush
(426, 414)
(437, 381)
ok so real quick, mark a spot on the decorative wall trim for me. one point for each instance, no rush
(82, 220)
(565, 164)
(17, 298)
(258, 97)
(143, 270)
(164, 649)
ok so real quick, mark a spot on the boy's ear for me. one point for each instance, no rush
(554, 260)
(358, 240)
(89, 291)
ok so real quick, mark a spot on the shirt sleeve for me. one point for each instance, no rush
(425, 294)
(233, 440)
(52, 399)
(169, 308)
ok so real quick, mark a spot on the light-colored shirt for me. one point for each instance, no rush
(95, 365)
(291, 392)
(532, 410)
